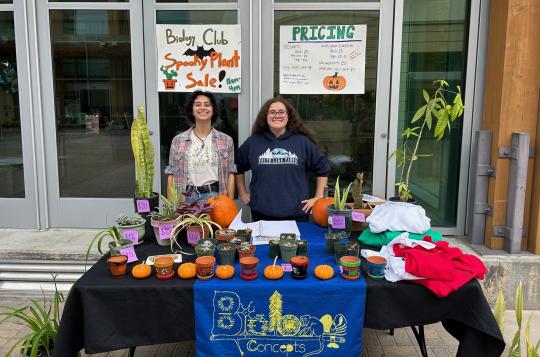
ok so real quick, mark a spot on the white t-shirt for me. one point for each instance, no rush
(202, 161)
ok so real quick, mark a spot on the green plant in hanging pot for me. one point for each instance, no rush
(436, 113)
(339, 214)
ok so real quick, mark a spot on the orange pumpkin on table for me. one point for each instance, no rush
(273, 272)
(224, 271)
(334, 82)
(141, 271)
(223, 210)
(187, 271)
(324, 272)
(319, 211)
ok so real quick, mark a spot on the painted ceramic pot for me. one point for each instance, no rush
(205, 267)
(376, 266)
(118, 265)
(164, 267)
(249, 266)
(351, 267)
(299, 265)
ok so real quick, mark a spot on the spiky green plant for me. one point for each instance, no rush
(111, 232)
(167, 212)
(204, 221)
(143, 152)
(357, 190)
(340, 201)
(133, 220)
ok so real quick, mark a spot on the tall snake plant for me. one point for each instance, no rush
(340, 201)
(143, 152)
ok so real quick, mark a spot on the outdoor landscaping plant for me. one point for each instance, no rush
(437, 113)
(41, 319)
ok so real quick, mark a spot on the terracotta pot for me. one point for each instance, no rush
(299, 267)
(376, 266)
(205, 267)
(195, 233)
(246, 253)
(164, 267)
(351, 267)
(224, 235)
(248, 266)
(118, 265)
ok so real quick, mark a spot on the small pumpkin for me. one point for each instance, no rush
(223, 210)
(187, 271)
(324, 272)
(334, 82)
(141, 271)
(319, 211)
(224, 271)
(273, 272)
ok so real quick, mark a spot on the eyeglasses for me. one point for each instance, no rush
(280, 113)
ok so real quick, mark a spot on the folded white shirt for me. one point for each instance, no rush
(398, 216)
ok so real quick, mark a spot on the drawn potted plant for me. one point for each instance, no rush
(339, 214)
(196, 227)
(437, 113)
(166, 218)
(145, 199)
(131, 227)
(169, 82)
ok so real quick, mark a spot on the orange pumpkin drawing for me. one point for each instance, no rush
(334, 82)
(319, 211)
(224, 271)
(324, 272)
(187, 271)
(141, 271)
(223, 211)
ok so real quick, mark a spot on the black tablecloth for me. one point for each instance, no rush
(103, 314)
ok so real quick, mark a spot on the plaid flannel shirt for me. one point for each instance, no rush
(178, 156)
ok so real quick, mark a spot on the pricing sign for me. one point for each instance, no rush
(143, 206)
(286, 267)
(338, 222)
(358, 217)
(165, 231)
(132, 235)
(130, 252)
(193, 237)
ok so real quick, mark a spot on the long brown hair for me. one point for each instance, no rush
(295, 123)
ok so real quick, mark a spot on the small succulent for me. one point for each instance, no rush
(206, 246)
(288, 244)
(245, 246)
(237, 240)
(133, 220)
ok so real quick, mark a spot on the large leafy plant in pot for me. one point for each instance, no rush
(436, 113)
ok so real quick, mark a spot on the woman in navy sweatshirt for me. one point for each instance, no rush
(280, 153)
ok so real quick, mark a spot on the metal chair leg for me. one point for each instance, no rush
(420, 338)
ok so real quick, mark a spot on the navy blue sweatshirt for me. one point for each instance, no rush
(279, 168)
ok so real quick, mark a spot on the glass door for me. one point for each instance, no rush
(96, 82)
(17, 183)
(351, 129)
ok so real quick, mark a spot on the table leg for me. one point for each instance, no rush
(391, 332)
(131, 351)
(420, 338)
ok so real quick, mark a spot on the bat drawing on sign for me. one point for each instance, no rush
(200, 52)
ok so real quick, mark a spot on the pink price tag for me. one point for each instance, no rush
(143, 206)
(132, 235)
(165, 231)
(286, 267)
(338, 222)
(130, 252)
(193, 237)
(358, 217)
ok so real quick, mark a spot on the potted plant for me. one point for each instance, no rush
(339, 214)
(245, 249)
(115, 245)
(196, 227)
(360, 210)
(145, 199)
(131, 227)
(205, 248)
(437, 113)
(169, 83)
(166, 218)
(42, 321)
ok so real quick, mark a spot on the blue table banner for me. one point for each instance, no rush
(285, 317)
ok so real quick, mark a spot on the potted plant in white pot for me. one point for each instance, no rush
(166, 218)
(339, 214)
(131, 227)
(437, 113)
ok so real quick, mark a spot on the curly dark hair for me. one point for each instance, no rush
(295, 123)
(191, 100)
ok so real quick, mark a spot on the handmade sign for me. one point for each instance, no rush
(198, 57)
(322, 59)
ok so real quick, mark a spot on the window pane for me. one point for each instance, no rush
(88, 0)
(11, 159)
(172, 115)
(344, 124)
(434, 47)
(196, 1)
(91, 52)
(301, 1)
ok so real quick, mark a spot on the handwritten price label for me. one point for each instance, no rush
(130, 252)
(338, 222)
(358, 217)
(165, 231)
(143, 206)
(132, 235)
(286, 267)
(193, 237)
